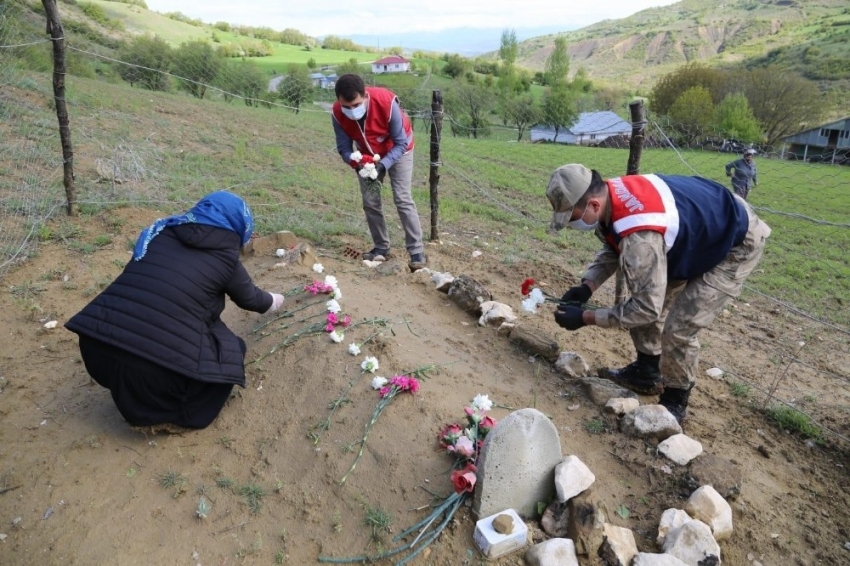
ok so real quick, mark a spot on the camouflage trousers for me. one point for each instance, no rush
(690, 306)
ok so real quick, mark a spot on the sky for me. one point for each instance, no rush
(334, 17)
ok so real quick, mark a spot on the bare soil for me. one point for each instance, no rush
(79, 486)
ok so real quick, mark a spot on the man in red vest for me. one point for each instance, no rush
(371, 128)
(685, 245)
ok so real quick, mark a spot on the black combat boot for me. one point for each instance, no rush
(641, 376)
(676, 401)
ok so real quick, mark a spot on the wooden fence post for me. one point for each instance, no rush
(638, 115)
(434, 176)
(57, 34)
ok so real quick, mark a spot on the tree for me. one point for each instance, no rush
(508, 51)
(734, 118)
(469, 105)
(350, 66)
(242, 79)
(149, 59)
(521, 111)
(672, 85)
(782, 102)
(311, 63)
(455, 66)
(559, 108)
(197, 62)
(557, 64)
(691, 114)
(296, 88)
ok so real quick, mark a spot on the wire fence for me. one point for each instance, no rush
(158, 126)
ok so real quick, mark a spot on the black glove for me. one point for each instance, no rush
(576, 295)
(382, 171)
(569, 317)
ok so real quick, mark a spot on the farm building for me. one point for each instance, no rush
(591, 128)
(322, 81)
(394, 64)
(829, 143)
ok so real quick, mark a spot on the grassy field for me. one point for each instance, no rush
(287, 167)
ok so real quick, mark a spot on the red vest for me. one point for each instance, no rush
(641, 202)
(376, 139)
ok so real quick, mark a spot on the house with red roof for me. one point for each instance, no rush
(392, 64)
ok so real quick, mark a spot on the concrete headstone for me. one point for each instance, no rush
(517, 464)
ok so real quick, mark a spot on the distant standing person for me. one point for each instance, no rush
(745, 176)
(370, 121)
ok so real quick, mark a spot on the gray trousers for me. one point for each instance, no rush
(690, 306)
(401, 179)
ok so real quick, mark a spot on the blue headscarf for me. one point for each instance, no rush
(220, 209)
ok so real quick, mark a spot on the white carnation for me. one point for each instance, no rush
(318, 267)
(333, 306)
(482, 402)
(354, 349)
(356, 156)
(537, 295)
(529, 305)
(337, 336)
(370, 364)
(337, 294)
(331, 281)
(378, 382)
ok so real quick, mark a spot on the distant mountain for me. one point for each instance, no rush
(808, 36)
(465, 41)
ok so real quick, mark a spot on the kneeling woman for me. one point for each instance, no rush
(154, 338)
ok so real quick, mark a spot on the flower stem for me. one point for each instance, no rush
(379, 408)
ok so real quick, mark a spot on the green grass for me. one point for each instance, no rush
(794, 421)
(253, 495)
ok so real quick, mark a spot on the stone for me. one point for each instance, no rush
(708, 506)
(535, 343)
(646, 559)
(553, 552)
(671, 519)
(650, 421)
(495, 314)
(468, 294)
(600, 391)
(572, 477)
(619, 546)
(587, 518)
(494, 544)
(50, 325)
(572, 365)
(680, 448)
(389, 268)
(619, 406)
(517, 464)
(693, 544)
(721, 474)
(503, 524)
(443, 281)
(715, 373)
(506, 328)
(556, 520)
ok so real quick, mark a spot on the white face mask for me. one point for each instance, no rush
(580, 224)
(355, 113)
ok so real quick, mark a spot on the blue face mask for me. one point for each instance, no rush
(580, 224)
(355, 113)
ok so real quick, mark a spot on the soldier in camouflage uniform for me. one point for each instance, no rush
(685, 246)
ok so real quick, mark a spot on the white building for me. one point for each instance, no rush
(589, 129)
(393, 64)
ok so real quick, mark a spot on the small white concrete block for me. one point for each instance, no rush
(492, 544)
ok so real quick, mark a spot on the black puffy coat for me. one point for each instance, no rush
(166, 307)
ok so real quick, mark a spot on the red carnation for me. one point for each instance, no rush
(526, 286)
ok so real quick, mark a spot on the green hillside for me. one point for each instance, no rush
(811, 37)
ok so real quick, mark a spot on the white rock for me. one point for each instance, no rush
(692, 543)
(506, 328)
(495, 314)
(51, 325)
(646, 559)
(442, 280)
(572, 477)
(708, 506)
(476, 254)
(553, 552)
(847, 545)
(571, 365)
(3, 537)
(680, 448)
(370, 263)
(716, 373)
(671, 519)
(621, 406)
(619, 546)
(650, 421)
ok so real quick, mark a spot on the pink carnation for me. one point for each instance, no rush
(346, 322)
(333, 318)
(329, 327)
